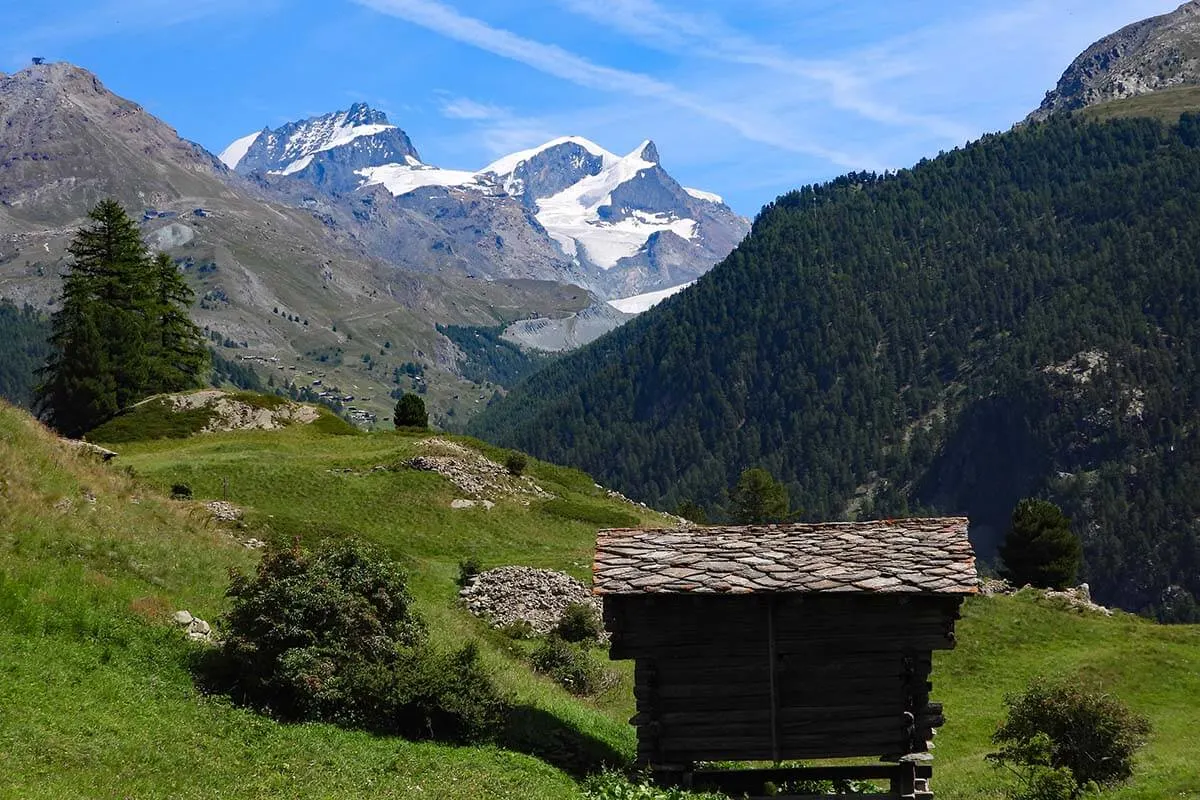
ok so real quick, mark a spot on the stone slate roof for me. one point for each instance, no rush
(929, 556)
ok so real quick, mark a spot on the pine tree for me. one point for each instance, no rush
(122, 331)
(410, 412)
(1040, 548)
(177, 350)
(758, 498)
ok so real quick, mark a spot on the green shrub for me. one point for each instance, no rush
(570, 666)
(331, 636)
(520, 629)
(468, 568)
(516, 463)
(581, 512)
(1067, 725)
(410, 412)
(579, 622)
(1040, 548)
(181, 491)
(615, 786)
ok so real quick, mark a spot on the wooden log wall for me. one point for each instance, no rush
(767, 678)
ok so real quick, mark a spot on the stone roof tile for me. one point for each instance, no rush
(883, 556)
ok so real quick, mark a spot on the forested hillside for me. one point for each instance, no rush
(23, 349)
(1018, 317)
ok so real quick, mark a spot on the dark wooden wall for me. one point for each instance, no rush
(774, 677)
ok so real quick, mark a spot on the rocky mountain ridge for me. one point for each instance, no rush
(567, 210)
(1158, 53)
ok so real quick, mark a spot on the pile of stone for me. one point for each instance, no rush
(510, 595)
(196, 629)
(471, 471)
(223, 511)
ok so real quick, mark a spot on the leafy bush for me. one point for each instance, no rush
(332, 636)
(570, 666)
(1066, 725)
(181, 491)
(1040, 548)
(615, 786)
(579, 623)
(520, 629)
(516, 463)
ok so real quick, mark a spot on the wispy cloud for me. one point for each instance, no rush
(561, 63)
(466, 108)
(845, 83)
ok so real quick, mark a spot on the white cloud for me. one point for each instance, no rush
(466, 108)
(563, 64)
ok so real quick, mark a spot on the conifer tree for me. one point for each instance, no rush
(122, 331)
(758, 498)
(178, 353)
(1040, 548)
(410, 412)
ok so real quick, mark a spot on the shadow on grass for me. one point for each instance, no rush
(542, 735)
(523, 729)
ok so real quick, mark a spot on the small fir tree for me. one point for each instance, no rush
(758, 498)
(180, 356)
(410, 412)
(1040, 548)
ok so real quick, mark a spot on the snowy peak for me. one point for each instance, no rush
(327, 150)
(646, 151)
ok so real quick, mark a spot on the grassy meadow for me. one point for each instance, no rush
(97, 700)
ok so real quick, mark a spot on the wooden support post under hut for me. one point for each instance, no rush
(775, 643)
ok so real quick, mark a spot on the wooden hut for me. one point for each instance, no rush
(780, 642)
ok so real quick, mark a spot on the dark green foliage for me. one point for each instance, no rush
(580, 622)
(331, 635)
(122, 331)
(1069, 725)
(468, 568)
(692, 512)
(154, 419)
(24, 333)
(181, 491)
(569, 665)
(227, 371)
(1040, 548)
(758, 498)
(892, 335)
(490, 358)
(410, 412)
(516, 463)
(583, 512)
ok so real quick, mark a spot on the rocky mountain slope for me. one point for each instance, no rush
(1157, 53)
(279, 281)
(565, 211)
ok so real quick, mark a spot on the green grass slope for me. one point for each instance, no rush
(96, 699)
(1166, 105)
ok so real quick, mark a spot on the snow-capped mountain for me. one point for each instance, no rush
(621, 225)
(325, 150)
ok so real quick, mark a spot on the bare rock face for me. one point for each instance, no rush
(1157, 53)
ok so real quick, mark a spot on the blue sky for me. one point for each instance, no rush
(746, 99)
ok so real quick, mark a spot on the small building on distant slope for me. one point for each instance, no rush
(779, 642)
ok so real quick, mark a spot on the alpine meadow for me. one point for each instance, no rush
(386, 411)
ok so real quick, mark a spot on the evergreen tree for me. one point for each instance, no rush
(758, 498)
(1040, 548)
(178, 353)
(410, 412)
(121, 332)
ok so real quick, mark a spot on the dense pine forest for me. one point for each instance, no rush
(23, 333)
(1019, 317)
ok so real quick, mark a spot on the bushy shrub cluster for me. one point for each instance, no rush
(615, 786)
(570, 665)
(331, 635)
(516, 463)
(1062, 736)
(580, 622)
